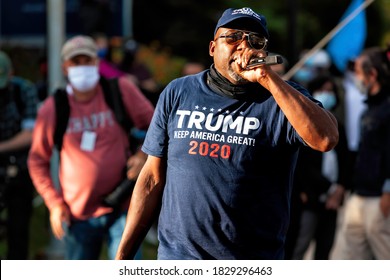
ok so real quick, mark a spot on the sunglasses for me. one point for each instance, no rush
(235, 37)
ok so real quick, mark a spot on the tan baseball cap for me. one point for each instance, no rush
(79, 45)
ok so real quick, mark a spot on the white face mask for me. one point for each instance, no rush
(360, 85)
(83, 78)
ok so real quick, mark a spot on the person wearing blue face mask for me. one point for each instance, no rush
(107, 69)
(316, 65)
(321, 180)
(327, 98)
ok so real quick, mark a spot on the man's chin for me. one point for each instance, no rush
(238, 80)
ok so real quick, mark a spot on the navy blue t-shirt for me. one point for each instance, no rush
(229, 173)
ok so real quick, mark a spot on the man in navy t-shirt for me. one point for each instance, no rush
(222, 149)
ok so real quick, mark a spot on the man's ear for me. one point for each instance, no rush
(374, 73)
(64, 69)
(371, 75)
(211, 48)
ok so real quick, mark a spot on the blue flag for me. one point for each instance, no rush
(349, 41)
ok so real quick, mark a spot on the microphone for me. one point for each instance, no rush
(268, 60)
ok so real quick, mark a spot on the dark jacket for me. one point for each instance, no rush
(309, 178)
(373, 159)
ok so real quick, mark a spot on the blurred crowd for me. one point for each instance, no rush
(20, 101)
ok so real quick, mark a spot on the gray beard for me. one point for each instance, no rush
(237, 78)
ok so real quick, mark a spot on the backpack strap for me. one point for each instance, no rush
(62, 111)
(113, 98)
(16, 93)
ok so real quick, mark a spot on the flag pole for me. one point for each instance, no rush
(326, 39)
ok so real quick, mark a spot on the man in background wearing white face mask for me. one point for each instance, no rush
(94, 153)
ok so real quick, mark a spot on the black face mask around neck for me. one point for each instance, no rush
(221, 85)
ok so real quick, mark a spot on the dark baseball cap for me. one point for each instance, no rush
(245, 19)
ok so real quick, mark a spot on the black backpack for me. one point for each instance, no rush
(113, 98)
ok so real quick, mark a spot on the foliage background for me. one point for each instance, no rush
(185, 27)
(172, 32)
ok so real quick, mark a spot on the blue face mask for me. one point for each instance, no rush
(327, 98)
(101, 53)
(304, 75)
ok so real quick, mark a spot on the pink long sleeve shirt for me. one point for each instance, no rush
(85, 176)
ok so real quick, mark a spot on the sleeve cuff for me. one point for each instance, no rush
(386, 186)
(28, 124)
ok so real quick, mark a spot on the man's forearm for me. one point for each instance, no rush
(19, 141)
